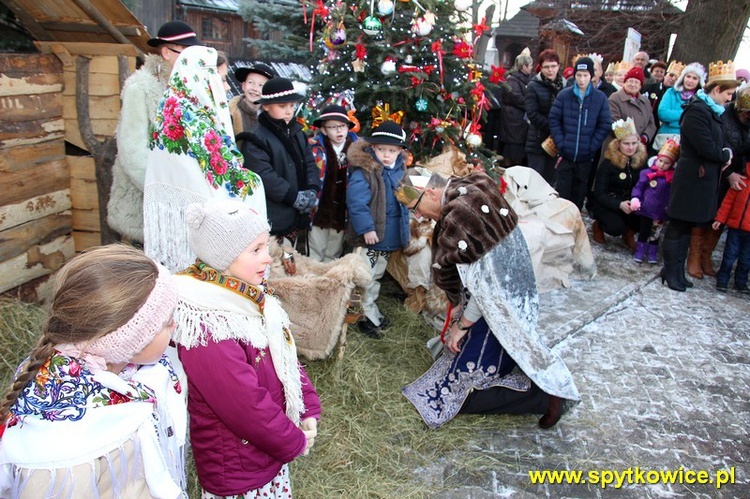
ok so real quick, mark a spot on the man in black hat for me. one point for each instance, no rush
(140, 99)
(245, 108)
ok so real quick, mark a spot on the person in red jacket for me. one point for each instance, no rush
(252, 407)
(735, 213)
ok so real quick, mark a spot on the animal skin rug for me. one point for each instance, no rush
(316, 298)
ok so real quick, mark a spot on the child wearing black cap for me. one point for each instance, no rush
(278, 150)
(245, 108)
(377, 221)
(330, 146)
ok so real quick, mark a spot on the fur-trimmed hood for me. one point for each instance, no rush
(617, 158)
(359, 156)
(695, 68)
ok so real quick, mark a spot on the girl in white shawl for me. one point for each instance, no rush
(192, 157)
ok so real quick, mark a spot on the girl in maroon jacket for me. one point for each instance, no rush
(735, 213)
(252, 408)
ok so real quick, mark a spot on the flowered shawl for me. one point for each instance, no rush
(192, 157)
(89, 413)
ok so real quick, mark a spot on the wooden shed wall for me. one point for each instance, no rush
(35, 216)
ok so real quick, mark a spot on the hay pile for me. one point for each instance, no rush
(371, 441)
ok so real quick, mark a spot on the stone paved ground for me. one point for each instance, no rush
(664, 381)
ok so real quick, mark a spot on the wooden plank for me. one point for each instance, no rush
(28, 132)
(39, 290)
(33, 84)
(101, 128)
(106, 107)
(101, 84)
(84, 48)
(87, 28)
(21, 238)
(25, 64)
(108, 64)
(83, 194)
(32, 182)
(14, 214)
(17, 158)
(37, 261)
(30, 107)
(85, 240)
(86, 220)
(82, 167)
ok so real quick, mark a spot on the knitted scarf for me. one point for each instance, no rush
(216, 307)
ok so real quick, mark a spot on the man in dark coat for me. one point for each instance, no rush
(579, 122)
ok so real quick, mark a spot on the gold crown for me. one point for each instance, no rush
(406, 193)
(675, 68)
(575, 58)
(721, 71)
(624, 128)
(670, 149)
(622, 66)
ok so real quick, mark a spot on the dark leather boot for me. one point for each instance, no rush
(628, 237)
(684, 249)
(598, 233)
(670, 273)
(553, 414)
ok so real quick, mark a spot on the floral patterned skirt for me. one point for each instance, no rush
(279, 488)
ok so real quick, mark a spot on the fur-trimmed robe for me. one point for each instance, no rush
(616, 176)
(140, 100)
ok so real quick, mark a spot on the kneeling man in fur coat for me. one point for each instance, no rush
(495, 362)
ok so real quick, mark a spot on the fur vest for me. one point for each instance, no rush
(141, 95)
(475, 218)
(372, 216)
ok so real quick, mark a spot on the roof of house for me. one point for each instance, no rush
(94, 21)
(523, 24)
(604, 5)
(562, 25)
(227, 5)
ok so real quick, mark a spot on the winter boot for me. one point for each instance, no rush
(640, 251)
(670, 273)
(653, 252)
(694, 257)
(684, 247)
(598, 233)
(710, 240)
(628, 237)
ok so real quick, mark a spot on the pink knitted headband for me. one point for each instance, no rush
(132, 337)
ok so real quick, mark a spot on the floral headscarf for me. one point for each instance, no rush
(193, 119)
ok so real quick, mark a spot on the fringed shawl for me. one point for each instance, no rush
(217, 307)
(192, 157)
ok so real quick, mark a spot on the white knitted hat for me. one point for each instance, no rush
(219, 230)
(695, 68)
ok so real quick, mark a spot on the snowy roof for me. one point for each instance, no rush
(522, 24)
(290, 70)
(227, 5)
(604, 5)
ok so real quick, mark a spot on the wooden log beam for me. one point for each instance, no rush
(88, 28)
(36, 262)
(104, 151)
(28, 21)
(100, 18)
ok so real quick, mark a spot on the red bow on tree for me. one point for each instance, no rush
(481, 27)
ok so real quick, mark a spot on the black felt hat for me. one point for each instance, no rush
(388, 133)
(258, 67)
(279, 90)
(333, 113)
(176, 32)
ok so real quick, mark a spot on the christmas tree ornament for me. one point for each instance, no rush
(337, 36)
(474, 139)
(385, 7)
(421, 105)
(421, 27)
(462, 5)
(388, 67)
(358, 65)
(372, 25)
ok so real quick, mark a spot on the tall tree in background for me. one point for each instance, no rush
(281, 26)
(409, 61)
(711, 30)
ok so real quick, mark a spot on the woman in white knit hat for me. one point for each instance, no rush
(252, 407)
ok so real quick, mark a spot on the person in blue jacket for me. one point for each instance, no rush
(579, 121)
(377, 221)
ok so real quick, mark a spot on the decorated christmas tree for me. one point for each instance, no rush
(409, 61)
